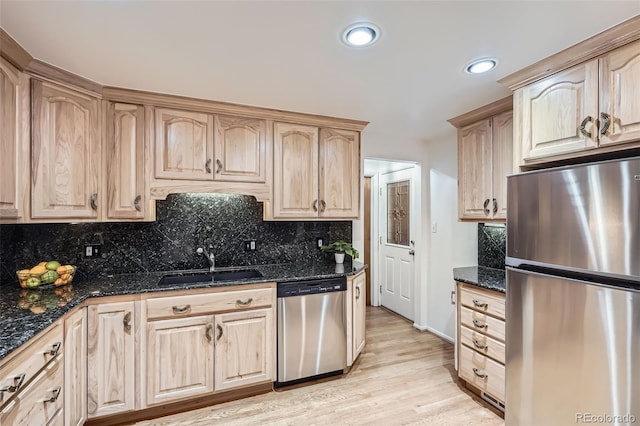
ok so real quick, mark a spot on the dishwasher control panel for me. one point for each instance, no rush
(305, 288)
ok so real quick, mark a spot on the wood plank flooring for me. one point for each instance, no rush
(403, 377)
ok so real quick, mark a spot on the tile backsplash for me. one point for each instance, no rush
(184, 223)
(492, 245)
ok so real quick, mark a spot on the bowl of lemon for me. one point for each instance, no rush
(46, 274)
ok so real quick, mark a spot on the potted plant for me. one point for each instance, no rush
(340, 248)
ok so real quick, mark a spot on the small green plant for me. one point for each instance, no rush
(341, 247)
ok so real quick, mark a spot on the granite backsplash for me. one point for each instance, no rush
(184, 223)
(492, 245)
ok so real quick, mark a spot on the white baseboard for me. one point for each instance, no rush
(431, 330)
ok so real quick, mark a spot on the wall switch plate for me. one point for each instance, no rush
(319, 242)
(93, 250)
(434, 227)
(250, 245)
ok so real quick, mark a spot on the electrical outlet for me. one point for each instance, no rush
(92, 250)
(250, 245)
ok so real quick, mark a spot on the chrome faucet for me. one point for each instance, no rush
(210, 257)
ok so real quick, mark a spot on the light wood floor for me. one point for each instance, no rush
(403, 377)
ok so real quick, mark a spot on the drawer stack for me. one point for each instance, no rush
(31, 383)
(481, 339)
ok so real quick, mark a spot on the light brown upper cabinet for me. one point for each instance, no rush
(184, 145)
(14, 142)
(240, 149)
(485, 158)
(124, 141)
(65, 154)
(316, 172)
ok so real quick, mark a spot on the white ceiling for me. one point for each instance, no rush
(287, 55)
(374, 166)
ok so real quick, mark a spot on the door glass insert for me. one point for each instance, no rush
(398, 213)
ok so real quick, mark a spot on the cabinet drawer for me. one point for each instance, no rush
(198, 304)
(483, 323)
(482, 372)
(21, 369)
(483, 301)
(29, 406)
(482, 343)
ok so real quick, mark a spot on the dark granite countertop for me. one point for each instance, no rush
(489, 278)
(20, 320)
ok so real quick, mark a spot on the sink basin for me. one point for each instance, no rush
(206, 277)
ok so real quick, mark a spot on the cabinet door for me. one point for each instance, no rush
(474, 171)
(184, 145)
(240, 149)
(244, 348)
(359, 313)
(620, 95)
(111, 358)
(339, 173)
(295, 171)
(502, 161)
(552, 111)
(14, 141)
(75, 368)
(179, 358)
(65, 153)
(124, 139)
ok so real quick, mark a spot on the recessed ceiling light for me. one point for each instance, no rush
(361, 34)
(481, 66)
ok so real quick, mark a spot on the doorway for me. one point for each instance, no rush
(395, 229)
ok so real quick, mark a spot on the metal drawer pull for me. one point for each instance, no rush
(207, 165)
(55, 394)
(582, 128)
(208, 332)
(136, 203)
(479, 324)
(479, 374)
(219, 164)
(357, 292)
(126, 322)
(17, 382)
(219, 328)
(315, 205)
(485, 205)
(323, 206)
(495, 206)
(55, 348)
(478, 345)
(181, 309)
(606, 119)
(94, 201)
(479, 304)
(247, 303)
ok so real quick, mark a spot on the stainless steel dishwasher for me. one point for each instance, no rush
(312, 329)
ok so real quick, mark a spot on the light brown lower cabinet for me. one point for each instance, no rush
(111, 359)
(75, 368)
(179, 358)
(356, 315)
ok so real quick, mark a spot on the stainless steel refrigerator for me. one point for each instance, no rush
(573, 295)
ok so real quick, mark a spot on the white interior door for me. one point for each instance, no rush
(397, 223)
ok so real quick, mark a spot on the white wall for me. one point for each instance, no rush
(455, 243)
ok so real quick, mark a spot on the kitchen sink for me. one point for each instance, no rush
(209, 276)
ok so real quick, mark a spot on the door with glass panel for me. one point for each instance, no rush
(397, 244)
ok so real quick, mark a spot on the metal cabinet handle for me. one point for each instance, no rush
(479, 304)
(55, 393)
(94, 201)
(247, 303)
(17, 382)
(181, 309)
(219, 328)
(582, 128)
(357, 292)
(219, 164)
(323, 206)
(315, 205)
(208, 332)
(126, 322)
(479, 324)
(55, 348)
(136, 203)
(486, 206)
(606, 120)
(495, 206)
(207, 165)
(479, 374)
(478, 344)
(453, 297)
